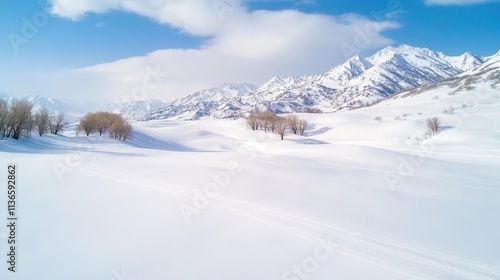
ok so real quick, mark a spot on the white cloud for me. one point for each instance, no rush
(244, 47)
(458, 2)
(199, 17)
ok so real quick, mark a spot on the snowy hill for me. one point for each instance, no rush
(356, 83)
(353, 198)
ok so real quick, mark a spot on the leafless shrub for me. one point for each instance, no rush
(398, 118)
(103, 122)
(262, 120)
(120, 130)
(281, 127)
(378, 118)
(57, 123)
(293, 123)
(4, 114)
(449, 111)
(253, 121)
(433, 125)
(268, 120)
(42, 121)
(302, 126)
(88, 124)
(20, 117)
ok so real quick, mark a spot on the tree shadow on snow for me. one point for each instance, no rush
(317, 131)
(146, 141)
(309, 141)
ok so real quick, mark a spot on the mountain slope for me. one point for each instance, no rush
(52, 104)
(135, 110)
(356, 83)
(219, 102)
(484, 79)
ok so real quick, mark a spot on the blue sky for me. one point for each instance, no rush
(84, 48)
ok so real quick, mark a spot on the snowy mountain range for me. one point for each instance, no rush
(135, 110)
(481, 79)
(356, 83)
(52, 104)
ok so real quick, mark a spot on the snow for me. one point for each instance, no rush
(352, 188)
(134, 110)
(350, 85)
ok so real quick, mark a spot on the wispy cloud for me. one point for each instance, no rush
(242, 46)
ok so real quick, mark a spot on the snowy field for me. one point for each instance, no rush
(352, 199)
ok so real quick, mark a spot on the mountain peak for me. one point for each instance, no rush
(355, 57)
(353, 84)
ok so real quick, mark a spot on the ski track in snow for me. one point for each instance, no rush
(407, 260)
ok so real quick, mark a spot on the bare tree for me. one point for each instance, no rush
(253, 121)
(433, 125)
(267, 120)
(104, 121)
(57, 123)
(120, 130)
(87, 124)
(281, 126)
(20, 117)
(4, 114)
(293, 123)
(30, 122)
(42, 121)
(302, 126)
(126, 131)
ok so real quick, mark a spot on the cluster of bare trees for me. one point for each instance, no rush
(104, 122)
(17, 119)
(270, 122)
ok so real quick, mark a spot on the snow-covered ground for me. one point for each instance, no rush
(352, 199)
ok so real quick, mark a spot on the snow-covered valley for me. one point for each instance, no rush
(354, 198)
